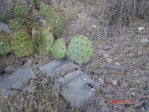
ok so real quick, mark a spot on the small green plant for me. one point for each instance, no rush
(80, 49)
(59, 49)
(60, 25)
(21, 44)
(44, 41)
(4, 45)
(50, 17)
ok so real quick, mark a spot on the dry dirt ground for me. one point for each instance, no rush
(120, 64)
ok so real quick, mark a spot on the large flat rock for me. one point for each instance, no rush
(15, 80)
(77, 97)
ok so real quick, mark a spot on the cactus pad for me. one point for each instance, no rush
(50, 17)
(80, 49)
(42, 8)
(59, 49)
(45, 41)
(22, 44)
(59, 29)
(21, 10)
(18, 23)
(4, 45)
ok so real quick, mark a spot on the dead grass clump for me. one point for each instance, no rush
(121, 11)
(36, 96)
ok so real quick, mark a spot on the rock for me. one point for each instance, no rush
(102, 102)
(15, 80)
(101, 81)
(50, 68)
(56, 68)
(4, 27)
(144, 41)
(9, 69)
(77, 97)
(115, 67)
(62, 81)
(28, 63)
(91, 109)
(84, 81)
(114, 82)
(106, 90)
(141, 28)
(107, 57)
(138, 104)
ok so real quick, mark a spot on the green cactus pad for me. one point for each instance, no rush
(60, 25)
(80, 49)
(21, 10)
(4, 45)
(22, 44)
(50, 17)
(45, 41)
(17, 23)
(59, 49)
(42, 8)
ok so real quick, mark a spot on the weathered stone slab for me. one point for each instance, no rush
(56, 68)
(84, 82)
(62, 81)
(15, 80)
(77, 97)
(50, 69)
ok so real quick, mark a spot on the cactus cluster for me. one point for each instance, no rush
(44, 39)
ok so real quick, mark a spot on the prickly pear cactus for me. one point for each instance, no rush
(18, 23)
(42, 8)
(80, 49)
(50, 17)
(20, 10)
(59, 49)
(22, 44)
(45, 41)
(4, 45)
(60, 25)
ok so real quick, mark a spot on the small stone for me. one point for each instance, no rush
(101, 81)
(94, 26)
(9, 69)
(141, 28)
(102, 102)
(138, 104)
(106, 90)
(115, 67)
(4, 27)
(144, 41)
(114, 82)
(107, 57)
